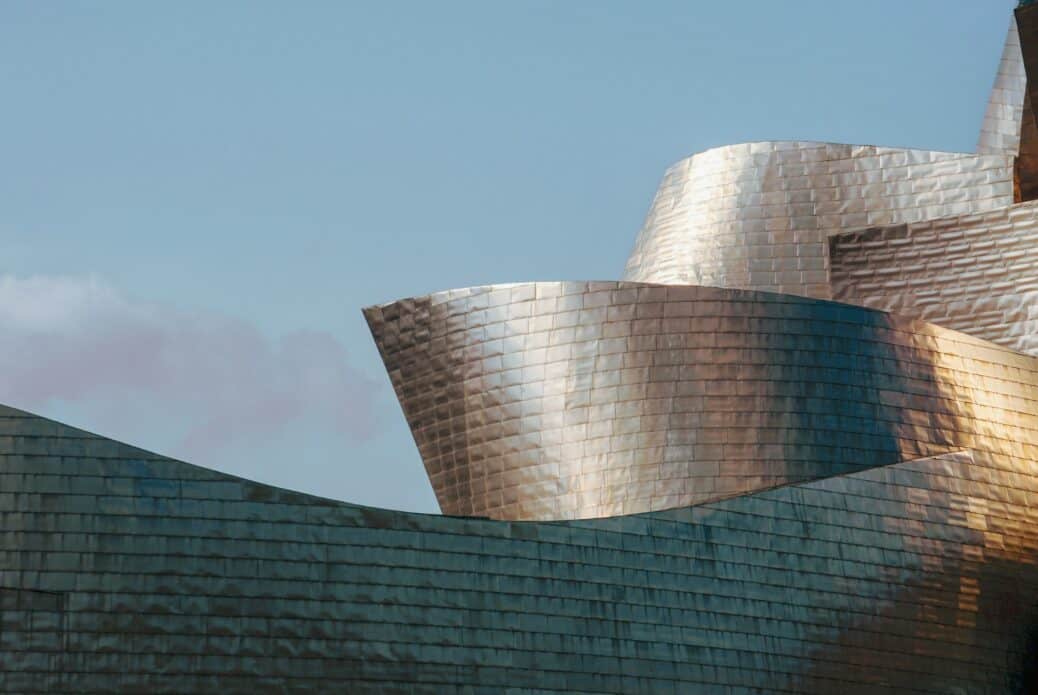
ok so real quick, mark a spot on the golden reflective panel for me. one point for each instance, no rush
(974, 273)
(573, 400)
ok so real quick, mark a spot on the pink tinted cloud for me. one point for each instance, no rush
(77, 339)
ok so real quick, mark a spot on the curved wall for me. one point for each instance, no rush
(758, 215)
(124, 571)
(863, 485)
(562, 400)
(977, 274)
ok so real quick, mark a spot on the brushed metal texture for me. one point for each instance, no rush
(1000, 131)
(758, 215)
(737, 489)
(977, 273)
(125, 571)
(563, 400)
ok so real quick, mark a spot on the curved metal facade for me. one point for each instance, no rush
(758, 215)
(573, 400)
(124, 571)
(563, 400)
(815, 496)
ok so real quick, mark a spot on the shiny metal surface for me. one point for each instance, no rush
(1000, 131)
(833, 499)
(563, 400)
(124, 571)
(571, 400)
(977, 273)
(758, 215)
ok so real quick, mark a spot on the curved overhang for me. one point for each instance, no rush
(556, 400)
(758, 215)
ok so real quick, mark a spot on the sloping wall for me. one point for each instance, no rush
(123, 571)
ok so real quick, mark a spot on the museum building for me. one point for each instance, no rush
(793, 449)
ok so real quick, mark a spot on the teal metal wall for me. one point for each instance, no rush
(123, 571)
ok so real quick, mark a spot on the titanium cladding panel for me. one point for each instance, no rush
(977, 274)
(574, 400)
(758, 215)
(124, 571)
(1000, 132)
(815, 497)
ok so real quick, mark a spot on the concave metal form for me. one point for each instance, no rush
(124, 571)
(742, 488)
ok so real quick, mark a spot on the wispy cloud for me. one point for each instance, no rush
(78, 339)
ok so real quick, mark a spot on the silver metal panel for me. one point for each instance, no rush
(562, 400)
(758, 215)
(977, 273)
(1000, 131)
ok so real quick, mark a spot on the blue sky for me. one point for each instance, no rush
(196, 199)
